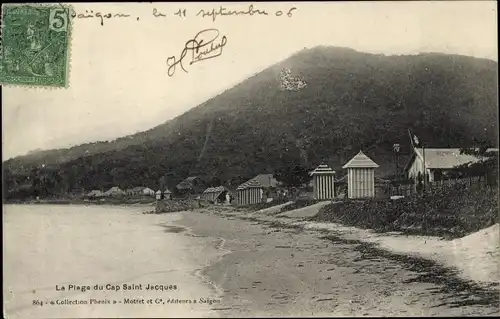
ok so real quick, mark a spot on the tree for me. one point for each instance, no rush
(293, 175)
(163, 182)
(486, 166)
(215, 181)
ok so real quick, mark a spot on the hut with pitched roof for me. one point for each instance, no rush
(215, 194)
(207, 194)
(360, 176)
(167, 194)
(323, 182)
(248, 193)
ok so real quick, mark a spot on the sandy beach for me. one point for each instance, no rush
(274, 271)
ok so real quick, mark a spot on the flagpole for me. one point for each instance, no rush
(425, 170)
(411, 140)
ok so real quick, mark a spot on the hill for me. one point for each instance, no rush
(350, 101)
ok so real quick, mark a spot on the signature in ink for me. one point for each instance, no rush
(205, 45)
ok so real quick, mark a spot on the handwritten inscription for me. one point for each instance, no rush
(212, 13)
(250, 11)
(205, 45)
(99, 15)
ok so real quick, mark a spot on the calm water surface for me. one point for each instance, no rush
(49, 245)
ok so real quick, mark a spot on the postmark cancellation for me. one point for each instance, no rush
(35, 45)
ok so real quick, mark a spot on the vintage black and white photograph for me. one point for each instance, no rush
(239, 159)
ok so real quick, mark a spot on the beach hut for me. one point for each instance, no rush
(323, 182)
(268, 183)
(219, 194)
(249, 193)
(360, 176)
(215, 194)
(167, 194)
(158, 195)
(207, 194)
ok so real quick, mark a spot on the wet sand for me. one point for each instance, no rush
(273, 271)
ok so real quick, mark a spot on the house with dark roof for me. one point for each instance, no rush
(114, 191)
(438, 162)
(192, 185)
(95, 193)
(267, 182)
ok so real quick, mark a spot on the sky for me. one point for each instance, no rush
(119, 82)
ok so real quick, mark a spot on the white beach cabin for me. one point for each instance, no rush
(249, 193)
(323, 182)
(360, 176)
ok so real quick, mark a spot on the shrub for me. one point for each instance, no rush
(452, 212)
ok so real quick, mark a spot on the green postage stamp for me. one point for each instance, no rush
(35, 45)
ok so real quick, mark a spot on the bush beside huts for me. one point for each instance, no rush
(451, 212)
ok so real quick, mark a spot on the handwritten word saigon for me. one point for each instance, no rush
(99, 15)
(222, 11)
(203, 47)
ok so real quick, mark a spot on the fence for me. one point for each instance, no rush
(403, 190)
(472, 182)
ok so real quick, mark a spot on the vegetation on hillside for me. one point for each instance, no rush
(352, 101)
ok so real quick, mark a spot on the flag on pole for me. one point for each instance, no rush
(413, 139)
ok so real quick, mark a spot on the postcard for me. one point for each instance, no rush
(250, 159)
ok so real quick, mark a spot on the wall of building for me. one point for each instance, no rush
(323, 186)
(249, 196)
(361, 182)
(418, 167)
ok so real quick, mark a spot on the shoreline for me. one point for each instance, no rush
(82, 202)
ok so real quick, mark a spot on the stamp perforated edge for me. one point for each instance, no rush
(68, 54)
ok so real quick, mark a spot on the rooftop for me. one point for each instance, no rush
(265, 180)
(253, 183)
(360, 161)
(322, 169)
(446, 158)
